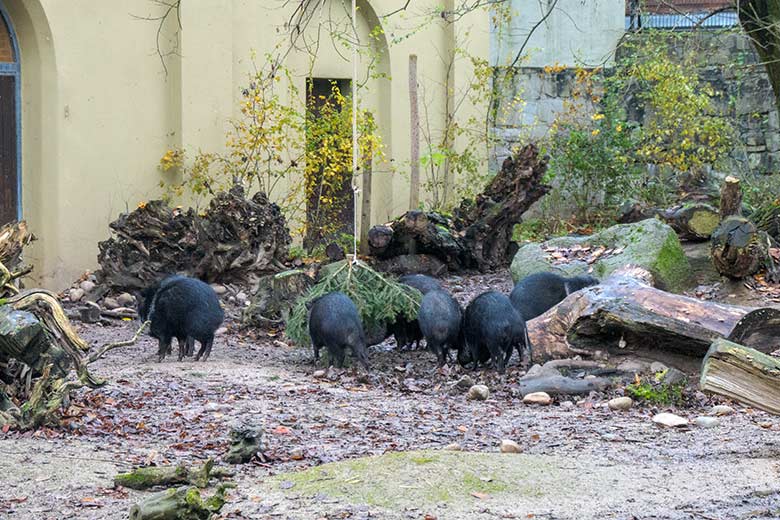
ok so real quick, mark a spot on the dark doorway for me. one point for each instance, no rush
(9, 188)
(326, 222)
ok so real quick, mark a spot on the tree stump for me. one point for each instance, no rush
(738, 249)
(183, 503)
(743, 374)
(730, 198)
(275, 297)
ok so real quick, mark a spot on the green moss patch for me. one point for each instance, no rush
(425, 478)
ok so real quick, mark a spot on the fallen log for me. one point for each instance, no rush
(625, 315)
(479, 234)
(693, 221)
(743, 374)
(183, 503)
(154, 476)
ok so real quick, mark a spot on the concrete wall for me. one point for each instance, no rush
(576, 32)
(99, 110)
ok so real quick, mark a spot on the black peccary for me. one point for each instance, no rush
(334, 323)
(440, 318)
(182, 308)
(492, 328)
(407, 332)
(537, 293)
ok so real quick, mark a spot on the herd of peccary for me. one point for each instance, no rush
(491, 327)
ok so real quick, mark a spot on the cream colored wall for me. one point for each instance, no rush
(99, 111)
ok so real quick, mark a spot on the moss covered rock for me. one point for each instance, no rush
(650, 244)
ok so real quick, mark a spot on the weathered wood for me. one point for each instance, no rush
(153, 476)
(275, 297)
(738, 249)
(693, 221)
(413, 264)
(235, 239)
(624, 315)
(414, 126)
(183, 503)
(696, 221)
(743, 374)
(730, 198)
(479, 234)
(556, 384)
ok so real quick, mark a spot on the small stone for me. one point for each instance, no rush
(220, 331)
(567, 404)
(534, 371)
(319, 374)
(453, 447)
(241, 297)
(75, 295)
(296, 454)
(219, 289)
(721, 410)
(632, 366)
(540, 398)
(126, 300)
(707, 422)
(110, 303)
(673, 377)
(508, 446)
(478, 393)
(465, 382)
(657, 366)
(232, 299)
(87, 286)
(670, 420)
(620, 403)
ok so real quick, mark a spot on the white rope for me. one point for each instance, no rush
(354, 130)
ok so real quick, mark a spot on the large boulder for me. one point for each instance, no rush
(650, 244)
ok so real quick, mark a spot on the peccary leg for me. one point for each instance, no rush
(316, 353)
(182, 347)
(205, 348)
(190, 351)
(339, 355)
(163, 348)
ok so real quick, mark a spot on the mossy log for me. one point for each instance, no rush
(625, 315)
(479, 233)
(693, 221)
(183, 503)
(696, 221)
(738, 248)
(742, 373)
(153, 476)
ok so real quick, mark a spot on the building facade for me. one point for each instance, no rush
(87, 109)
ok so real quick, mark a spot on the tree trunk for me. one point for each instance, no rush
(414, 193)
(153, 476)
(760, 19)
(743, 374)
(624, 315)
(479, 235)
(738, 249)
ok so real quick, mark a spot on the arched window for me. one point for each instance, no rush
(10, 127)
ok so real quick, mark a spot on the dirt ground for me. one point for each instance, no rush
(580, 460)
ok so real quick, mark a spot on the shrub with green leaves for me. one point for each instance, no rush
(378, 299)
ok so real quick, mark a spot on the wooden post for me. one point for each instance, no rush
(414, 192)
(365, 203)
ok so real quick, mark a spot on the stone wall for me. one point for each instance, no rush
(729, 64)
